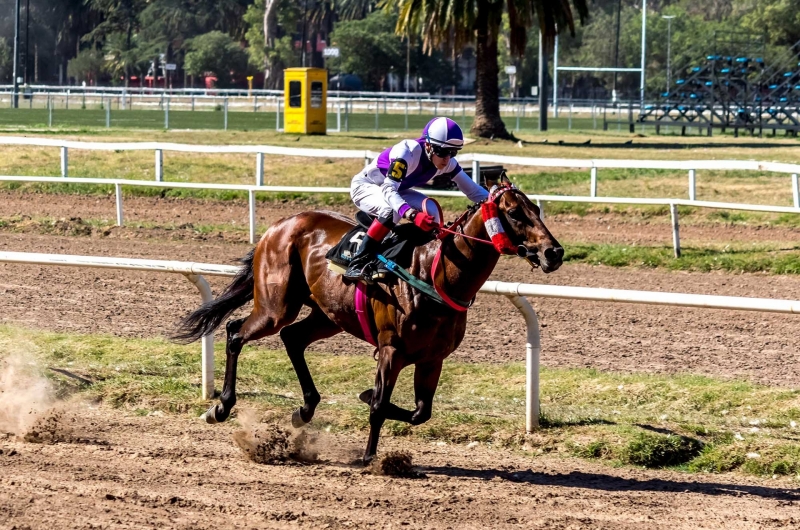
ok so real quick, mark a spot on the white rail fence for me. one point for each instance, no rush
(593, 165)
(515, 292)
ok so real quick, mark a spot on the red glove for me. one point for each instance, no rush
(425, 222)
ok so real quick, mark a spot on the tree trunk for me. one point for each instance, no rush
(487, 123)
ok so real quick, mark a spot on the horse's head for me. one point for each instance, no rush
(522, 223)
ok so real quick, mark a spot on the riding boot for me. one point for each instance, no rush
(364, 255)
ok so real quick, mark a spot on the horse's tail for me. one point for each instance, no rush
(210, 315)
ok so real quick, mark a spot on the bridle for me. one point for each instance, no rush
(494, 197)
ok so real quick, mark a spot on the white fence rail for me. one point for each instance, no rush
(593, 165)
(514, 291)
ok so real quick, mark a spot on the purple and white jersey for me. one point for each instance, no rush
(420, 170)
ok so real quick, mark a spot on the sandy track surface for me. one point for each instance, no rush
(113, 470)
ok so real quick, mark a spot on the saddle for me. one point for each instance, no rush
(398, 246)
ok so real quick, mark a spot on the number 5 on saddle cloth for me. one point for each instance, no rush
(398, 247)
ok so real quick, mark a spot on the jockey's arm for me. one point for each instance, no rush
(474, 192)
(400, 157)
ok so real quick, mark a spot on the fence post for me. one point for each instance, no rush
(593, 183)
(796, 190)
(533, 349)
(377, 104)
(251, 196)
(692, 193)
(255, 103)
(436, 108)
(259, 169)
(64, 160)
(278, 115)
(569, 118)
(50, 111)
(338, 116)
(517, 126)
(108, 113)
(594, 117)
(676, 236)
(166, 115)
(476, 171)
(347, 116)
(192, 102)
(406, 116)
(540, 204)
(66, 101)
(225, 112)
(159, 166)
(118, 193)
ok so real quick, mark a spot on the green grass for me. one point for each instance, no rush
(688, 422)
(785, 260)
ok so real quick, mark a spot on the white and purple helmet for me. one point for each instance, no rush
(443, 132)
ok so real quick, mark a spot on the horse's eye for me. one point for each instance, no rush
(513, 212)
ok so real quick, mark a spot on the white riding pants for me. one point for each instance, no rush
(368, 196)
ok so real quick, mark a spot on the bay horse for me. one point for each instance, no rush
(287, 270)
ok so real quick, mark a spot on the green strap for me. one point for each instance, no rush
(414, 282)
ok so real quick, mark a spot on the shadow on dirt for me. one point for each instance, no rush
(598, 481)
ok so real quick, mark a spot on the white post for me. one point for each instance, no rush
(676, 236)
(366, 159)
(108, 113)
(692, 194)
(251, 196)
(593, 183)
(338, 116)
(207, 362)
(159, 165)
(259, 169)
(555, 79)
(64, 160)
(50, 111)
(405, 119)
(476, 171)
(796, 190)
(166, 114)
(533, 349)
(225, 108)
(278, 116)
(644, 49)
(118, 193)
(540, 204)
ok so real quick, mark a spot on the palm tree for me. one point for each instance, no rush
(458, 22)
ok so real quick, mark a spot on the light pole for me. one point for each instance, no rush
(15, 81)
(669, 47)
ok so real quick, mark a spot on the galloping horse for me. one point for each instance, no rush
(287, 270)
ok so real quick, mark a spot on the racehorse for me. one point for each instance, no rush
(287, 270)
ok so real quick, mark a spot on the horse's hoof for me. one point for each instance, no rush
(210, 415)
(297, 419)
(367, 460)
(366, 396)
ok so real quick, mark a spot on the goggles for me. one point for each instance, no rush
(444, 152)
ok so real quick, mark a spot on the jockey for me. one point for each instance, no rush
(383, 188)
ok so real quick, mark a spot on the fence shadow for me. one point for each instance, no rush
(600, 481)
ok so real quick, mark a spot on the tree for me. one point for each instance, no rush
(368, 48)
(218, 53)
(457, 23)
(86, 66)
(5, 60)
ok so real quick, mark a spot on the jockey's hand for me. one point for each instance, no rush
(425, 222)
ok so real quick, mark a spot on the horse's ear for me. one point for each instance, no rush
(504, 179)
(491, 182)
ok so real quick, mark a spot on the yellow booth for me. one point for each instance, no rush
(305, 95)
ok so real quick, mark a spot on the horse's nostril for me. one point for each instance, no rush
(554, 254)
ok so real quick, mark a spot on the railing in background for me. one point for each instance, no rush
(515, 292)
(593, 165)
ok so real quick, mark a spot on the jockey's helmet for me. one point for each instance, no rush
(444, 133)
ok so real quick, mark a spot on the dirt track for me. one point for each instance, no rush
(116, 471)
(112, 470)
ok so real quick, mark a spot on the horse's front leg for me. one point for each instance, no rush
(426, 380)
(220, 412)
(389, 367)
